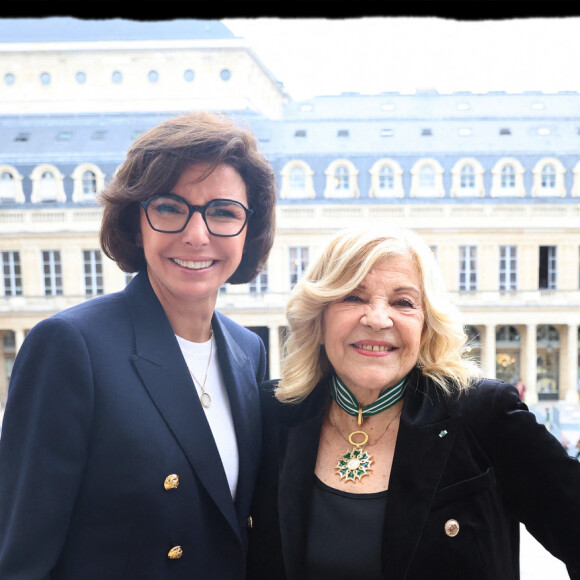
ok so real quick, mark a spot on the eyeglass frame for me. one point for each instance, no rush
(192, 209)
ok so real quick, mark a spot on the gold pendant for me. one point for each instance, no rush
(356, 462)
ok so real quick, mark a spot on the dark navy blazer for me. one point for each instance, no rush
(101, 409)
(480, 459)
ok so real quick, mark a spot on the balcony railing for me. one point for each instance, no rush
(239, 300)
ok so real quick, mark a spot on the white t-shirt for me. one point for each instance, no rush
(219, 414)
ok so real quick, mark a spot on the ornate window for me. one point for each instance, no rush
(549, 178)
(88, 180)
(548, 362)
(259, 284)
(508, 355)
(427, 179)
(467, 268)
(52, 272)
(474, 343)
(576, 186)
(93, 272)
(341, 179)
(548, 268)
(10, 185)
(47, 184)
(508, 268)
(508, 179)
(467, 179)
(297, 180)
(298, 262)
(386, 179)
(11, 279)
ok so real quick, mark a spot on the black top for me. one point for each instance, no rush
(344, 534)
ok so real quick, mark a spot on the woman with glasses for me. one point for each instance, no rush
(132, 430)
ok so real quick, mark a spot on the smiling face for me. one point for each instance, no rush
(188, 267)
(372, 335)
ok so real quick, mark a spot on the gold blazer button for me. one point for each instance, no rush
(451, 528)
(171, 482)
(250, 522)
(175, 553)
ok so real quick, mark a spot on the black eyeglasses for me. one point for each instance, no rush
(169, 213)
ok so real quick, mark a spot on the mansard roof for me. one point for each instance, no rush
(69, 29)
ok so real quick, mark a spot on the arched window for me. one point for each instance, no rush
(89, 183)
(47, 184)
(474, 343)
(6, 186)
(508, 178)
(297, 180)
(427, 179)
(386, 179)
(508, 355)
(548, 362)
(10, 185)
(467, 179)
(549, 178)
(341, 179)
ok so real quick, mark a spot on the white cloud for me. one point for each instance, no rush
(371, 55)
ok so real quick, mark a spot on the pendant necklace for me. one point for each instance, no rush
(355, 463)
(204, 397)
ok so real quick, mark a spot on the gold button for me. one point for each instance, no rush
(171, 482)
(451, 528)
(250, 522)
(175, 553)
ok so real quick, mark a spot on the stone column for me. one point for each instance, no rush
(572, 366)
(531, 397)
(18, 339)
(489, 352)
(274, 346)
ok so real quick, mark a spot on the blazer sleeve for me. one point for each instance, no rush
(43, 448)
(540, 482)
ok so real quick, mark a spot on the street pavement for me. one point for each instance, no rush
(536, 563)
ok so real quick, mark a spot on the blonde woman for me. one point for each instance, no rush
(384, 455)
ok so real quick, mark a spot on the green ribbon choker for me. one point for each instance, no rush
(348, 403)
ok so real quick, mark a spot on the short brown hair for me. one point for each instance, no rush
(154, 164)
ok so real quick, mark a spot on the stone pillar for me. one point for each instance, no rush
(489, 352)
(274, 346)
(18, 339)
(531, 376)
(572, 366)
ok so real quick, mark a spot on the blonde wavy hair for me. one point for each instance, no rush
(341, 268)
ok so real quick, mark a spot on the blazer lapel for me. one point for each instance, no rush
(425, 439)
(298, 449)
(165, 376)
(244, 400)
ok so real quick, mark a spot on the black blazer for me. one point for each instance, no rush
(101, 409)
(480, 459)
